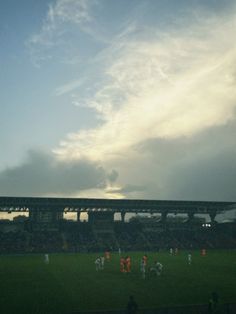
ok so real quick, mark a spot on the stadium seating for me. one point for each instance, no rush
(133, 236)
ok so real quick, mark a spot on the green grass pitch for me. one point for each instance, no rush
(70, 282)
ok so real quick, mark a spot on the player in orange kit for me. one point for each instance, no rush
(128, 264)
(122, 265)
(107, 256)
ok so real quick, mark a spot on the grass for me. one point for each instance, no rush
(70, 282)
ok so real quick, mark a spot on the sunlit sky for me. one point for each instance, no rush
(118, 99)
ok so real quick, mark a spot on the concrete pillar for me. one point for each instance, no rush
(122, 216)
(78, 216)
(164, 216)
(190, 217)
(212, 216)
(90, 216)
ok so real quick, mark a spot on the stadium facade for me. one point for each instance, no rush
(45, 229)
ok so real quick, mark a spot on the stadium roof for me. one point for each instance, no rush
(17, 204)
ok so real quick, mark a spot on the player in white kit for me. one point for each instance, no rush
(157, 268)
(46, 259)
(102, 259)
(189, 258)
(143, 268)
(97, 263)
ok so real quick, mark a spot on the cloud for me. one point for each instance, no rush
(41, 174)
(68, 87)
(165, 101)
(175, 84)
(63, 21)
(211, 178)
(201, 167)
(113, 175)
(73, 11)
(207, 168)
(130, 188)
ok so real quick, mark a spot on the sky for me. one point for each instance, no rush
(118, 99)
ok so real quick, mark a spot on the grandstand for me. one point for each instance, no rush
(45, 229)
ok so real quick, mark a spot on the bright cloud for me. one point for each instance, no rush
(173, 85)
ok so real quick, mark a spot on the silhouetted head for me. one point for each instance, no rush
(215, 297)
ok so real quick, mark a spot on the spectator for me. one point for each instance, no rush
(213, 305)
(132, 306)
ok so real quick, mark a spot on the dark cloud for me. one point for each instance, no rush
(42, 174)
(130, 188)
(112, 176)
(200, 167)
(211, 178)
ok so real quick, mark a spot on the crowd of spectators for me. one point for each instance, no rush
(45, 241)
(16, 242)
(133, 236)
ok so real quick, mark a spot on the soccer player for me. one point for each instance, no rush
(189, 258)
(108, 256)
(102, 261)
(128, 264)
(176, 251)
(145, 259)
(97, 263)
(119, 251)
(46, 259)
(171, 251)
(157, 268)
(122, 265)
(143, 268)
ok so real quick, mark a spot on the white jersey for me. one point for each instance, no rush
(46, 259)
(143, 268)
(189, 258)
(159, 266)
(102, 260)
(97, 263)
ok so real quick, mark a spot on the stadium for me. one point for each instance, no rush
(68, 281)
(118, 157)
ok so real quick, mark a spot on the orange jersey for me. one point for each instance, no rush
(107, 255)
(122, 265)
(128, 264)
